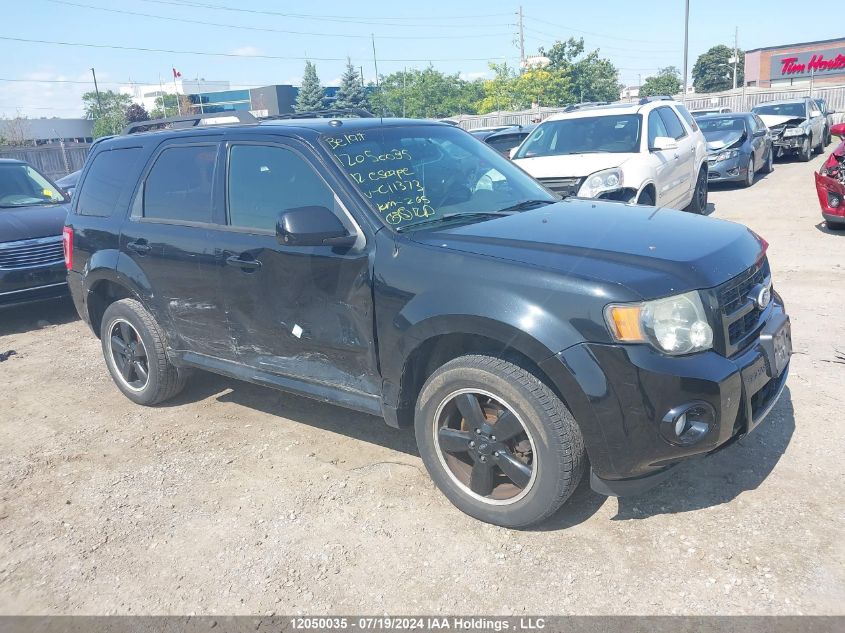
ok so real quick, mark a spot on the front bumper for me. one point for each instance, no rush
(788, 143)
(625, 391)
(733, 169)
(28, 285)
(828, 190)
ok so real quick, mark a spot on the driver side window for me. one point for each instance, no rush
(265, 180)
(656, 127)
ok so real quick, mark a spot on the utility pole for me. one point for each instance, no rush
(404, 75)
(736, 52)
(521, 39)
(375, 64)
(97, 90)
(686, 50)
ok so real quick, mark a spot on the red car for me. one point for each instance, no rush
(830, 183)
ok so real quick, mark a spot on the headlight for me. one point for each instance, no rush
(674, 325)
(601, 182)
(793, 131)
(717, 158)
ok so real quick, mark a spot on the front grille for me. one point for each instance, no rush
(739, 313)
(31, 253)
(564, 187)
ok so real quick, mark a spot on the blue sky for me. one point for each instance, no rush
(454, 36)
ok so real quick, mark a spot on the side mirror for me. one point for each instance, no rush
(830, 112)
(815, 113)
(762, 132)
(512, 153)
(838, 130)
(311, 226)
(663, 143)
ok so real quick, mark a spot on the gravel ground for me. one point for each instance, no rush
(235, 499)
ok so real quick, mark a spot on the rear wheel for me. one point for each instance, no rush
(699, 196)
(134, 350)
(497, 441)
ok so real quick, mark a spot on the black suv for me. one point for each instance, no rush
(406, 269)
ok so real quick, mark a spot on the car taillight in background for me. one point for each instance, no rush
(67, 246)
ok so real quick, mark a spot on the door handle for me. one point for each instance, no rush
(140, 246)
(245, 264)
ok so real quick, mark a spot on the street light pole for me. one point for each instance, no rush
(686, 50)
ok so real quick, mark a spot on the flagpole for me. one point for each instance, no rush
(163, 100)
(176, 90)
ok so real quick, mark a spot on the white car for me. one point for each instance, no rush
(650, 153)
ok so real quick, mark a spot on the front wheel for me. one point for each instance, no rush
(770, 161)
(806, 151)
(699, 196)
(497, 441)
(749, 177)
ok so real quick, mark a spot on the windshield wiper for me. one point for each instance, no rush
(526, 204)
(455, 216)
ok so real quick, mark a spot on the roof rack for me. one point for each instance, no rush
(322, 114)
(572, 107)
(191, 121)
(646, 100)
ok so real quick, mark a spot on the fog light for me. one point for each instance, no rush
(688, 424)
(833, 200)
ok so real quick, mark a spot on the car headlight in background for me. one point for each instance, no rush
(726, 155)
(673, 325)
(793, 131)
(601, 182)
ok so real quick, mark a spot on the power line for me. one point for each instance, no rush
(594, 34)
(240, 55)
(373, 21)
(267, 29)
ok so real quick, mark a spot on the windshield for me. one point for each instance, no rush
(21, 185)
(716, 128)
(420, 174)
(616, 134)
(792, 110)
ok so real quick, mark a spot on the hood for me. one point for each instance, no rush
(30, 222)
(651, 251)
(719, 140)
(571, 165)
(773, 120)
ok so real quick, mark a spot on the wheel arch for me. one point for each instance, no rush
(108, 278)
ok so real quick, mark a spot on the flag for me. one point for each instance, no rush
(176, 73)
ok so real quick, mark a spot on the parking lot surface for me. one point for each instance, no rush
(238, 499)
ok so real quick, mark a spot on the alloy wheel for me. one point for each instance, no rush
(129, 355)
(484, 446)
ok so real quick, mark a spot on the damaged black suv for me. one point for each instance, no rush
(405, 269)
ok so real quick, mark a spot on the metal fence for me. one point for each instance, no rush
(51, 160)
(739, 100)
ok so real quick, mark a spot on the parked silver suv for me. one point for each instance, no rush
(797, 126)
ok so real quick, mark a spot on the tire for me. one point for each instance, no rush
(699, 196)
(131, 340)
(769, 166)
(550, 435)
(749, 178)
(806, 152)
(818, 149)
(827, 137)
(646, 198)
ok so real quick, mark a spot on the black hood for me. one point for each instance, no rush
(717, 140)
(23, 223)
(653, 252)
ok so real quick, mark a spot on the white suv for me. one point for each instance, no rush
(650, 153)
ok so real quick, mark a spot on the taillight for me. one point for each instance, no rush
(67, 246)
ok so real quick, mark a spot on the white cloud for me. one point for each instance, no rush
(245, 51)
(42, 93)
(482, 74)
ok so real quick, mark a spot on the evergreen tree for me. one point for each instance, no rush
(311, 93)
(351, 93)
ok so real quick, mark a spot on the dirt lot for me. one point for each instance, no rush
(238, 499)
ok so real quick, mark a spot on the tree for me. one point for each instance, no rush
(351, 93)
(543, 87)
(667, 81)
(593, 77)
(108, 112)
(426, 93)
(16, 131)
(136, 113)
(169, 104)
(713, 70)
(311, 93)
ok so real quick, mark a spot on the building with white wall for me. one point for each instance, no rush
(146, 94)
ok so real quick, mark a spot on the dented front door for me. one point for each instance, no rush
(300, 312)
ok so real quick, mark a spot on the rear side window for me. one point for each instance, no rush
(688, 118)
(179, 186)
(108, 183)
(673, 123)
(266, 180)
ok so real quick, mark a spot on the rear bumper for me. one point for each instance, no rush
(620, 394)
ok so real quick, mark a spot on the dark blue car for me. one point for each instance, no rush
(32, 215)
(738, 146)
